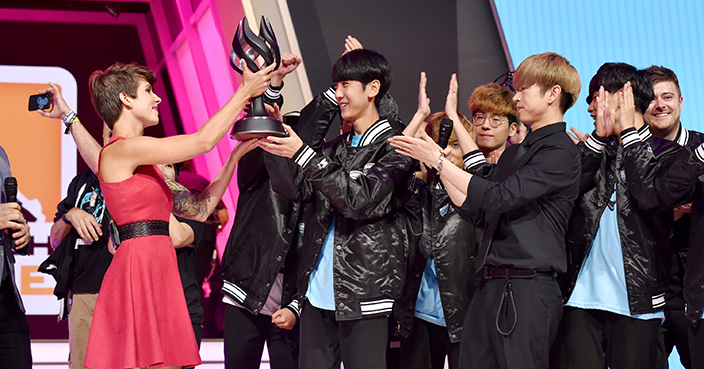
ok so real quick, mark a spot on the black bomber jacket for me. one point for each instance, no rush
(642, 224)
(453, 242)
(679, 180)
(365, 189)
(264, 239)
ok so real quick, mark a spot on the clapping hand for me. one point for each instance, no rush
(604, 122)
(627, 109)
(352, 43)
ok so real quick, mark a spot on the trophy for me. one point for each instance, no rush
(252, 48)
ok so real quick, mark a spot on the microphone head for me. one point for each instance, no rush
(444, 132)
(10, 182)
(11, 189)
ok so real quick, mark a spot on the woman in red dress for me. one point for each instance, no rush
(140, 318)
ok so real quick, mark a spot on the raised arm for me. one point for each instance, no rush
(87, 146)
(351, 43)
(465, 140)
(199, 207)
(124, 156)
(289, 63)
(423, 108)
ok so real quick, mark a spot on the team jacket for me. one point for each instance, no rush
(679, 181)
(261, 243)
(453, 242)
(642, 230)
(264, 236)
(365, 189)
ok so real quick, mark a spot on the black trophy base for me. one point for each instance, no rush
(256, 127)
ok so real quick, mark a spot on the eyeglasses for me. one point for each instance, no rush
(494, 120)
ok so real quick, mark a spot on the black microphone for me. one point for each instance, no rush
(444, 133)
(10, 195)
(11, 189)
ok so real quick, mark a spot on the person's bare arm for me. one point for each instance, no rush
(87, 146)
(423, 110)
(120, 159)
(465, 140)
(181, 233)
(199, 207)
(87, 227)
(59, 230)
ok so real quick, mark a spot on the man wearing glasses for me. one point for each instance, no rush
(494, 119)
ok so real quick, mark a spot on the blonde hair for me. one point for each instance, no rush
(492, 98)
(548, 70)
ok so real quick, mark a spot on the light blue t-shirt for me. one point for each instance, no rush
(428, 304)
(321, 292)
(601, 283)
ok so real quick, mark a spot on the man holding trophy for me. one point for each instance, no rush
(352, 264)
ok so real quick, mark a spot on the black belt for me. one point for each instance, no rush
(496, 272)
(143, 228)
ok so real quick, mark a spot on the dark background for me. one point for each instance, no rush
(438, 37)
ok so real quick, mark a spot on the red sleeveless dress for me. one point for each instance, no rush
(141, 318)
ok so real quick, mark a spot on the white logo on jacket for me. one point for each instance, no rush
(354, 174)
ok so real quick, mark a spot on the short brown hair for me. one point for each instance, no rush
(548, 70)
(492, 98)
(106, 86)
(662, 74)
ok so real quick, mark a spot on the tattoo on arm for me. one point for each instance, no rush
(188, 205)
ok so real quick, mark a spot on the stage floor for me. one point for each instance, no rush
(53, 354)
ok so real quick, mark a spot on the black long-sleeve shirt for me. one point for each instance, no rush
(533, 198)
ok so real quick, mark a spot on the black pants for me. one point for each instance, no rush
(360, 344)
(426, 347)
(696, 344)
(594, 338)
(538, 307)
(15, 347)
(673, 333)
(245, 335)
